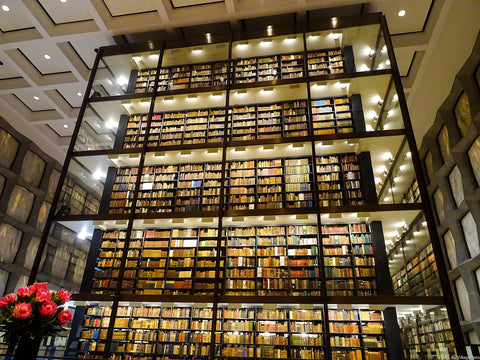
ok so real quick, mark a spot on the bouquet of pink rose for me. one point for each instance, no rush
(33, 312)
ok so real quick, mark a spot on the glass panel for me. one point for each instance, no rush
(9, 147)
(438, 200)
(126, 74)
(194, 67)
(32, 168)
(187, 120)
(425, 331)
(471, 234)
(428, 162)
(455, 179)
(474, 156)
(463, 299)
(444, 142)
(346, 50)
(20, 203)
(106, 124)
(267, 59)
(93, 183)
(462, 114)
(394, 177)
(450, 247)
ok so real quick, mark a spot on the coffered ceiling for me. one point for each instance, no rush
(47, 48)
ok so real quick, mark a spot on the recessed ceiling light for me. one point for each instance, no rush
(63, 1)
(36, 98)
(46, 56)
(79, 93)
(402, 13)
(5, 8)
(65, 126)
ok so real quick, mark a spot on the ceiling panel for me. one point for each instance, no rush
(128, 7)
(85, 46)
(69, 93)
(15, 19)
(35, 51)
(7, 71)
(404, 58)
(28, 97)
(414, 19)
(61, 128)
(184, 3)
(66, 12)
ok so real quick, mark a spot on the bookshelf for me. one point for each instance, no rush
(419, 276)
(256, 204)
(428, 334)
(349, 260)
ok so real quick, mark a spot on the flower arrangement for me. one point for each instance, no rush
(33, 313)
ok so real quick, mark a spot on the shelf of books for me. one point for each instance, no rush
(428, 334)
(239, 215)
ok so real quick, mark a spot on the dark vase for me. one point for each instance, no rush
(26, 349)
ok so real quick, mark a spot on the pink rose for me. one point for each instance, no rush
(42, 295)
(64, 296)
(47, 308)
(22, 311)
(64, 316)
(10, 298)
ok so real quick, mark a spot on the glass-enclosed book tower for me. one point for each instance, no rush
(258, 199)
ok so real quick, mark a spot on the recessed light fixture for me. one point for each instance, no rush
(5, 8)
(79, 93)
(402, 13)
(197, 50)
(63, 1)
(243, 44)
(65, 126)
(46, 56)
(269, 30)
(36, 98)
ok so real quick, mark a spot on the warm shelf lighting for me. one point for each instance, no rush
(217, 94)
(136, 58)
(242, 45)
(267, 90)
(46, 56)
(241, 92)
(266, 42)
(336, 35)
(5, 8)
(192, 97)
(65, 126)
(36, 98)
(168, 98)
(402, 13)
(197, 50)
(79, 93)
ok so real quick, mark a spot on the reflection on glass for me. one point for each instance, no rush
(462, 114)
(450, 247)
(444, 142)
(125, 74)
(455, 179)
(463, 298)
(438, 200)
(471, 234)
(474, 156)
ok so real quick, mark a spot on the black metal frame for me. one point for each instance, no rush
(160, 46)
